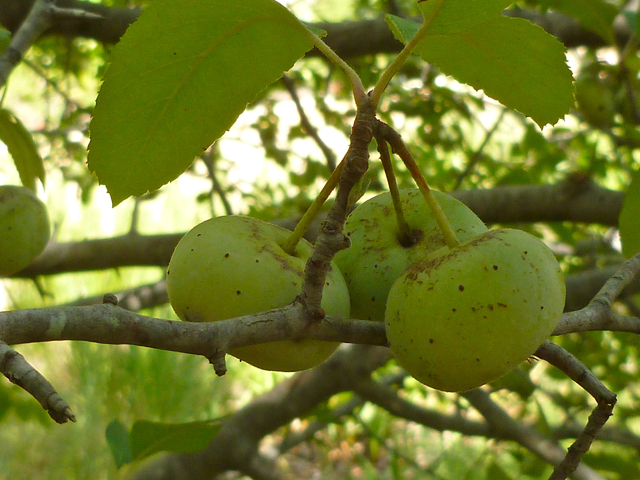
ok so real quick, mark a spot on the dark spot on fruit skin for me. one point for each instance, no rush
(226, 255)
(477, 359)
(502, 305)
(199, 235)
(490, 307)
(495, 267)
(238, 292)
(461, 288)
(430, 340)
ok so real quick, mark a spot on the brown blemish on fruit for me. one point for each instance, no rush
(238, 292)
(495, 267)
(461, 288)
(226, 255)
(502, 305)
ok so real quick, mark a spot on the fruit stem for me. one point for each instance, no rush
(400, 149)
(290, 244)
(403, 227)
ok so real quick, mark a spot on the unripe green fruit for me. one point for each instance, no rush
(232, 266)
(465, 316)
(24, 228)
(377, 255)
(595, 101)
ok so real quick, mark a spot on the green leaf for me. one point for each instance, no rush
(148, 438)
(119, 444)
(628, 221)
(5, 39)
(512, 60)
(456, 16)
(178, 79)
(22, 148)
(595, 15)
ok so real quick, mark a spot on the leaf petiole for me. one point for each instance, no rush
(397, 63)
(359, 92)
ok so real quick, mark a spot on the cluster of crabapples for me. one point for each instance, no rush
(456, 316)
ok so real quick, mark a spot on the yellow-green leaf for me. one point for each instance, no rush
(178, 79)
(22, 149)
(512, 60)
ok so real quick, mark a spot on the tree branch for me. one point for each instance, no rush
(306, 125)
(506, 426)
(598, 314)
(582, 202)
(34, 25)
(19, 371)
(109, 324)
(296, 397)
(349, 39)
(576, 371)
(606, 400)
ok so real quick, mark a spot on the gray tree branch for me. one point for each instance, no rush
(570, 200)
(20, 372)
(504, 425)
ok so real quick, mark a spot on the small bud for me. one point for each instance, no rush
(110, 298)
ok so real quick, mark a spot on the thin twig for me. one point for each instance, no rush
(574, 369)
(478, 153)
(598, 314)
(209, 162)
(503, 424)
(582, 444)
(37, 22)
(20, 372)
(329, 155)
